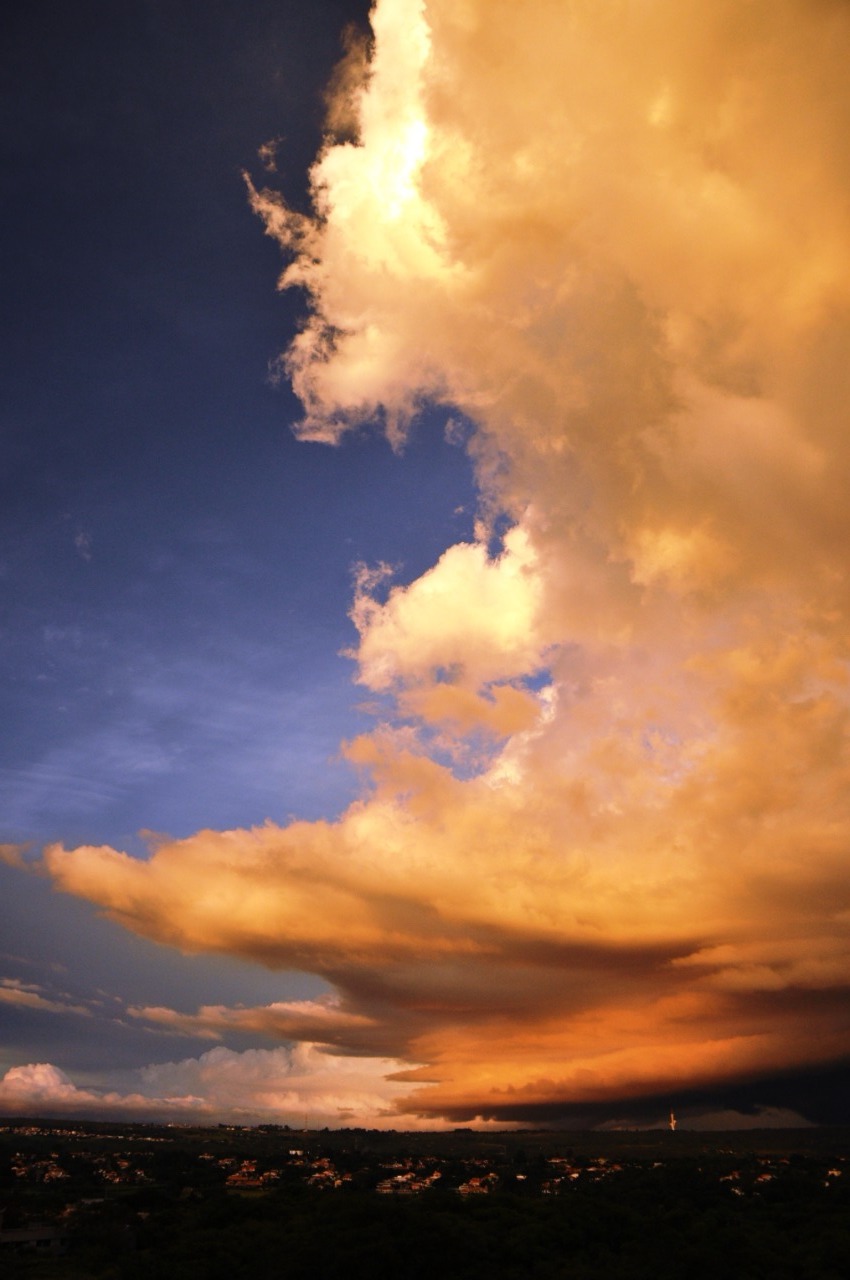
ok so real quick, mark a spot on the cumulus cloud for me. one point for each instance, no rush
(256, 1085)
(41, 1088)
(472, 617)
(616, 239)
(277, 1083)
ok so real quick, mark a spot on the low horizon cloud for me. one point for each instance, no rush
(601, 849)
(302, 1087)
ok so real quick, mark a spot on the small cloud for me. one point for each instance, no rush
(26, 995)
(13, 856)
(83, 543)
(267, 154)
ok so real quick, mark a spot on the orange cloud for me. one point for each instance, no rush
(632, 275)
(29, 995)
(321, 1020)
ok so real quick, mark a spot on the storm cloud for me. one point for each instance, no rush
(601, 849)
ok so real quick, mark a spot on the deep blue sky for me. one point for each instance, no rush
(169, 549)
(176, 567)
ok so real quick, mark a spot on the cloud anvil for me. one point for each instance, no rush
(601, 850)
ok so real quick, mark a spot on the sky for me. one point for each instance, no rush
(424, 535)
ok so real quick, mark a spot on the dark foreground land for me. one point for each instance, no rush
(127, 1202)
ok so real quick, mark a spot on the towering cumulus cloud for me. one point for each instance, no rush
(602, 852)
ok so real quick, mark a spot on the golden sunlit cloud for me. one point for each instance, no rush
(615, 238)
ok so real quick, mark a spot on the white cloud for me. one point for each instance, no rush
(279, 1085)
